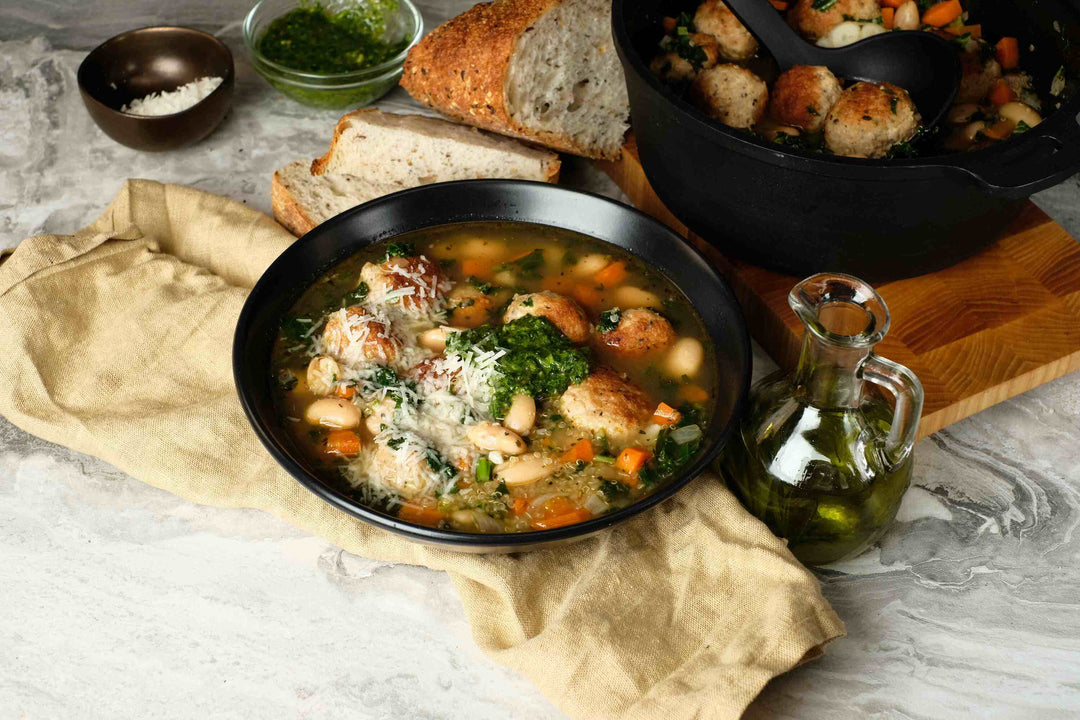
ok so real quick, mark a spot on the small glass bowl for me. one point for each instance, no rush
(356, 88)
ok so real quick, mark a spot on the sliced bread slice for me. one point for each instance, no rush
(412, 150)
(541, 70)
(301, 200)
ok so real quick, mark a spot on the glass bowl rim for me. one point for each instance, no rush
(375, 72)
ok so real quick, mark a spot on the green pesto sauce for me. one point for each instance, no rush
(311, 38)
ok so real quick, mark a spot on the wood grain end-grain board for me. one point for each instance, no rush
(994, 326)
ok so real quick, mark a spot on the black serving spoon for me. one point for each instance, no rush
(922, 63)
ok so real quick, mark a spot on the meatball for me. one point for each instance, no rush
(733, 95)
(715, 18)
(976, 77)
(405, 470)
(469, 306)
(815, 24)
(638, 332)
(353, 336)
(414, 283)
(869, 119)
(608, 403)
(672, 67)
(803, 96)
(561, 311)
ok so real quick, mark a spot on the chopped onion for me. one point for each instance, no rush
(540, 500)
(685, 434)
(595, 504)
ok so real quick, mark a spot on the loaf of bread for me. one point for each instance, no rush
(375, 153)
(540, 70)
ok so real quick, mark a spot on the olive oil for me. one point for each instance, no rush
(820, 457)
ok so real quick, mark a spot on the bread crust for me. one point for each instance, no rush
(460, 68)
(286, 210)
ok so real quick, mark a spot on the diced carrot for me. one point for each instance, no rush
(664, 414)
(669, 24)
(888, 14)
(343, 442)
(1001, 93)
(520, 505)
(420, 514)
(780, 5)
(477, 268)
(892, 3)
(587, 295)
(999, 130)
(632, 459)
(1008, 53)
(581, 450)
(942, 13)
(346, 391)
(974, 31)
(558, 506)
(693, 393)
(570, 518)
(611, 275)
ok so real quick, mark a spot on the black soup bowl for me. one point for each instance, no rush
(801, 213)
(472, 201)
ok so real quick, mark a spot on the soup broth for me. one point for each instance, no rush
(495, 377)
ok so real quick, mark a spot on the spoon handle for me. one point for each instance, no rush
(762, 19)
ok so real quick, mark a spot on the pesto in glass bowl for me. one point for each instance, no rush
(335, 53)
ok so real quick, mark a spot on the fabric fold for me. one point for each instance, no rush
(116, 341)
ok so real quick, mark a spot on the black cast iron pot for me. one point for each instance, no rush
(801, 213)
(469, 201)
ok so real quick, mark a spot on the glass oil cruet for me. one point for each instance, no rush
(821, 457)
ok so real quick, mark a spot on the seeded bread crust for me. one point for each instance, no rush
(460, 69)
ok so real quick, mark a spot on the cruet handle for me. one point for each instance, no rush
(902, 383)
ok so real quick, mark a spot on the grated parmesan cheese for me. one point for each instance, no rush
(168, 103)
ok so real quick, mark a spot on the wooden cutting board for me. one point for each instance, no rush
(994, 326)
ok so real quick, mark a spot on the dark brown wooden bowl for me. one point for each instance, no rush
(156, 59)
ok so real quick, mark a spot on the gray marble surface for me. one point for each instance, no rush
(119, 600)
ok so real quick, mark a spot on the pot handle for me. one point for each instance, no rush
(902, 383)
(1049, 153)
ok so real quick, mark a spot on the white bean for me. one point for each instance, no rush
(322, 373)
(522, 414)
(435, 338)
(333, 413)
(382, 413)
(907, 16)
(484, 249)
(591, 264)
(684, 358)
(493, 436)
(525, 470)
(628, 296)
(970, 132)
(1017, 112)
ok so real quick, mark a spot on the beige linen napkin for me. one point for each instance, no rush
(115, 341)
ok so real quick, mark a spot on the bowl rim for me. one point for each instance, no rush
(226, 80)
(455, 538)
(355, 77)
(748, 143)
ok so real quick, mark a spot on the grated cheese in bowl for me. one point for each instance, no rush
(180, 99)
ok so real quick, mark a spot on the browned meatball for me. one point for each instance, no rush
(670, 66)
(609, 403)
(716, 19)
(355, 337)
(976, 77)
(561, 311)
(638, 332)
(414, 283)
(869, 119)
(733, 95)
(803, 96)
(815, 24)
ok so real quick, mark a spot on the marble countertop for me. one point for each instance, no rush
(119, 600)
